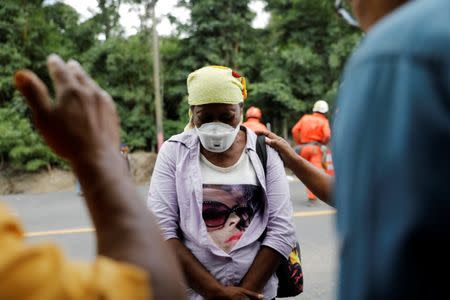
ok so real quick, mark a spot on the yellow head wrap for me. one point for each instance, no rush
(215, 84)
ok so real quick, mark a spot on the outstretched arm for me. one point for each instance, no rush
(317, 181)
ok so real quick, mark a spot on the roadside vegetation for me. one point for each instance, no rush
(289, 64)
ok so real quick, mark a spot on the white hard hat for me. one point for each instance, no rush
(321, 106)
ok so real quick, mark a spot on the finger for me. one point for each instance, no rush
(253, 295)
(34, 91)
(79, 73)
(108, 115)
(275, 143)
(84, 79)
(269, 141)
(108, 99)
(58, 71)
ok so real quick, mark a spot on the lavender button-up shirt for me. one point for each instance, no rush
(176, 198)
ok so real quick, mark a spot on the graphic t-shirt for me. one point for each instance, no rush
(232, 197)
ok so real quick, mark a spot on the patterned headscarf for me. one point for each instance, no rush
(215, 84)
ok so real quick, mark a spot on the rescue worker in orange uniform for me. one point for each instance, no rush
(253, 116)
(311, 133)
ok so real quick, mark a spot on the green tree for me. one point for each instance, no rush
(290, 64)
(123, 68)
(174, 86)
(215, 32)
(29, 32)
(307, 47)
(218, 33)
(107, 20)
(20, 145)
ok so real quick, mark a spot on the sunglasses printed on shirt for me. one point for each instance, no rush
(228, 210)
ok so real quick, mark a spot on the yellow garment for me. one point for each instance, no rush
(43, 273)
(215, 84)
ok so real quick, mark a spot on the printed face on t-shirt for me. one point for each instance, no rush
(228, 210)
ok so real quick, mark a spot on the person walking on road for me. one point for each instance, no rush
(253, 116)
(125, 151)
(82, 127)
(312, 133)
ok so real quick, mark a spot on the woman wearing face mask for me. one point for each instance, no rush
(229, 223)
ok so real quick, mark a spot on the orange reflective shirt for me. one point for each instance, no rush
(312, 128)
(42, 272)
(254, 124)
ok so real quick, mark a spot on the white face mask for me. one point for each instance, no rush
(217, 136)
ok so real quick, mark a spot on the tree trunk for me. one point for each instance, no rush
(156, 80)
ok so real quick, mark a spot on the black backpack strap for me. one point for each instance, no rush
(261, 150)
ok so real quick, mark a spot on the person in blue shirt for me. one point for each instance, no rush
(392, 154)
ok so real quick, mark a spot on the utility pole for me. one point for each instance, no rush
(156, 79)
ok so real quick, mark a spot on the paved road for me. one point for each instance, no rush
(62, 217)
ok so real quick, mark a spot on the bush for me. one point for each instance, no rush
(20, 146)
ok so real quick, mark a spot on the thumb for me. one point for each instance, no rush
(34, 90)
(272, 142)
(269, 141)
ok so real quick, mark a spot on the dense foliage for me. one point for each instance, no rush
(296, 60)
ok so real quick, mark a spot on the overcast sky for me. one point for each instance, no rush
(130, 21)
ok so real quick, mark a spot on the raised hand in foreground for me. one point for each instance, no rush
(82, 126)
